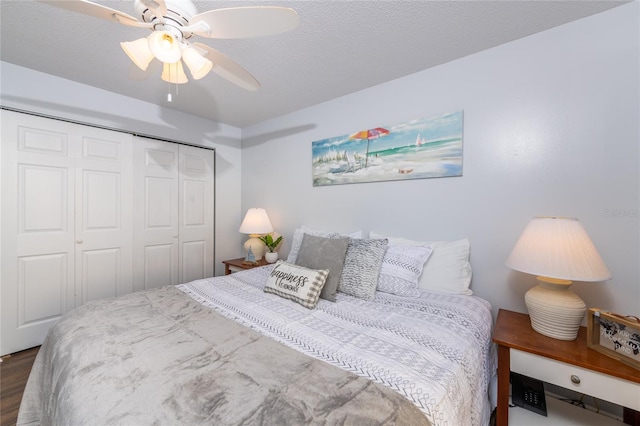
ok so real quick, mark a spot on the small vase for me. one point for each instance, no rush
(270, 256)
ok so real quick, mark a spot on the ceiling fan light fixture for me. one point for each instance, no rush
(174, 22)
(174, 73)
(165, 46)
(139, 53)
(198, 65)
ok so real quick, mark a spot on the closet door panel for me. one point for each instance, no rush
(102, 272)
(104, 214)
(37, 220)
(194, 261)
(34, 137)
(194, 206)
(160, 266)
(196, 213)
(156, 213)
(101, 204)
(159, 198)
(42, 288)
(43, 212)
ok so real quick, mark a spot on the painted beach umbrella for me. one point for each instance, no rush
(376, 133)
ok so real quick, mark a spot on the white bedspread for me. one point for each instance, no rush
(435, 350)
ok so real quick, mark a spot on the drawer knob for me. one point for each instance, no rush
(575, 379)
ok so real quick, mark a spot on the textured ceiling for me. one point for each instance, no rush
(340, 47)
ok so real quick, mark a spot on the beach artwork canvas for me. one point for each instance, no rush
(418, 149)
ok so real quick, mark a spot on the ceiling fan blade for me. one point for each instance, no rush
(95, 10)
(158, 7)
(227, 68)
(245, 22)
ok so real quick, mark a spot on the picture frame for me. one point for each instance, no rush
(613, 335)
(430, 147)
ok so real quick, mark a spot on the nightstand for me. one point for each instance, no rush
(568, 364)
(235, 265)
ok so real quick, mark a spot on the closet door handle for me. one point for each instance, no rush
(175, 235)
(79, 241)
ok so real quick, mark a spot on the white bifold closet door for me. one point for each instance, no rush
(66, 222)
(196, 214)
(173, 236)
(173, 232)
(90, 213)
(156, 230)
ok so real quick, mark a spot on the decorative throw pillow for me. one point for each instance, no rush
(300, 231)
(362, 264)
(447, 270)
(324, 253)
(401, 269)
(293, 282)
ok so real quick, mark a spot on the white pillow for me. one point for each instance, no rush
(447, 270)
(296, 241)
(297, 283)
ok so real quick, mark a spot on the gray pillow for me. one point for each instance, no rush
(324, 253)
(362, 265)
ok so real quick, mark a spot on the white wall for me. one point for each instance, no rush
(550, 128)
(33, 91)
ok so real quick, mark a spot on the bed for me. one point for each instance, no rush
(225, 351)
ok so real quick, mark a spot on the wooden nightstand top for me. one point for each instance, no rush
(237, 263)
(514, 330)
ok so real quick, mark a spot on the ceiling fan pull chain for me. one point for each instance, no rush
(169, 96)
(175, 91)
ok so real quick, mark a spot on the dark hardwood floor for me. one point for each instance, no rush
(14, 372)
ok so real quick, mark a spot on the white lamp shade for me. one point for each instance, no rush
(557, 247)
(139, 53)
(559, 251)
(174, 73)
(165, 46)
(198, 65)
(256, 221)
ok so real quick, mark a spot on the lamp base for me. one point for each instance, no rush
(555, 311)
(257, 246)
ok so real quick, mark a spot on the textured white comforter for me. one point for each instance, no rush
(435, 350)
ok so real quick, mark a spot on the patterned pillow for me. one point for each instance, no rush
(324, 253)
(361, 269)
(448, 269)
(293, 282)
(401, 269)
(296, 241)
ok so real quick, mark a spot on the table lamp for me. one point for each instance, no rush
(255, 223)
(558, 251)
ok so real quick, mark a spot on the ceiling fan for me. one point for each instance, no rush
(174, 22)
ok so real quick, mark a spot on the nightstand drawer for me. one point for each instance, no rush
(592, 383)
